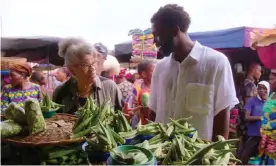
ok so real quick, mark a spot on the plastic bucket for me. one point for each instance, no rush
(125, 148)
(48, 114)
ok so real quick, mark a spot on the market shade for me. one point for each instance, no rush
(35, 49)
(21, 43)
(265, 44)
(227, 38)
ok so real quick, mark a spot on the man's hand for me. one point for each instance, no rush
(221, 124)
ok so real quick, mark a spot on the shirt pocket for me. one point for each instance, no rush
(199, 98)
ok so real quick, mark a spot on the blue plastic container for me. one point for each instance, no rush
(95, 156)
(128, 141)
(49, 114)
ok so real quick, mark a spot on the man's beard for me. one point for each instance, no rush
(167, 48)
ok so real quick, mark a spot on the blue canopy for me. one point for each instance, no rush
(228, 38)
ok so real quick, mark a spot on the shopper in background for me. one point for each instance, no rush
(253, 75)
(20, 87)
(124, 85)
(62, 75)
(254, 111)
(111, 67)
(267, 148)
(103, 52)
(81, 58)
(38, 78)
(145, 70)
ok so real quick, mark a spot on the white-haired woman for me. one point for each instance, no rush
(111, 67)
(81, 58)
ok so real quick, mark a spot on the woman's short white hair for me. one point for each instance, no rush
(111, 64)
(72, 48)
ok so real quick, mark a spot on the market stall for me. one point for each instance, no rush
(264, 42)
(98, 135)
(41, 51)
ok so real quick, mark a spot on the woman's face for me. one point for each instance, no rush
(85, 69)
(16, 78)
(262, 91)
(272, 80)
(148, 73)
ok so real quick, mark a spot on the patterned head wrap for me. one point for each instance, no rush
(23, 69)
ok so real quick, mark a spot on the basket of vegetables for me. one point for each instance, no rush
(49, 107)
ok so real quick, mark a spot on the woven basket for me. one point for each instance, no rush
(57, 133)
(8, 62)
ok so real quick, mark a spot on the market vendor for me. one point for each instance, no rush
(20, 88)
(193, 80)
(81, 59)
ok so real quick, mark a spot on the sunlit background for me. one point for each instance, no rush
(109, 21)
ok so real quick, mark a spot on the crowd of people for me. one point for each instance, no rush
(191, 80)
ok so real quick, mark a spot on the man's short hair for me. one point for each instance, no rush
(172, 15)
(144, 65)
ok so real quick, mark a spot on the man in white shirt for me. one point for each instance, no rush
(193, 80)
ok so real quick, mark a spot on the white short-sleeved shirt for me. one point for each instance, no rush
(201, 86)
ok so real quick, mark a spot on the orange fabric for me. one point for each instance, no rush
(22, 68)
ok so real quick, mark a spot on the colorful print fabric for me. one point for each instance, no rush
(126, 88)
(10, 94)
(267, 147)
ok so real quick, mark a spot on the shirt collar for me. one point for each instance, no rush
(194, 55)
(98, 83)
(196, 51)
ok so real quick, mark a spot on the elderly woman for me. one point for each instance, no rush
(82, 60)
(20, 88)
(111, 67)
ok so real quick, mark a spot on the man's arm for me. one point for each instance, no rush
(225, 98)
(248, 107)
(153, 95)
(118, 99)
(248, 117)
(221, 124)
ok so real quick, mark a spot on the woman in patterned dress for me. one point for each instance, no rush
(267, 146)
(20, 88)
(124, 85)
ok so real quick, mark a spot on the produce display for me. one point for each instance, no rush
(35, 119)
(70, 155)
(16, 113)
(176, 142)
(48, 105)
(10, 128)
(130, 157)
(18, 117)
(105, 130)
